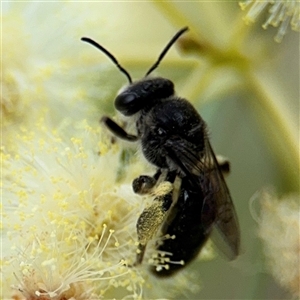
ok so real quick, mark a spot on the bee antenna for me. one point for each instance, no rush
(165, 50)
(95, 44)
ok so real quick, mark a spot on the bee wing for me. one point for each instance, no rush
(204, 172)
(226, 221)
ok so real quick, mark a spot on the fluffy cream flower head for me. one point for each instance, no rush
(282, 14)
(279, 224)
(69, 229)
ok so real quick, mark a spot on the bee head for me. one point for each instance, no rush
(143, 93)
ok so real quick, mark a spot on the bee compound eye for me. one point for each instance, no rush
(126, 103)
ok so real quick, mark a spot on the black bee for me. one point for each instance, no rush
(174, 138)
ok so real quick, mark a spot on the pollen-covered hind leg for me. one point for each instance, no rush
(151, 219)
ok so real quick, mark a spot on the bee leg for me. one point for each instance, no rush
(144, 184)
(140, 254)
(224, 164)
(117, 130)
(152, 217)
